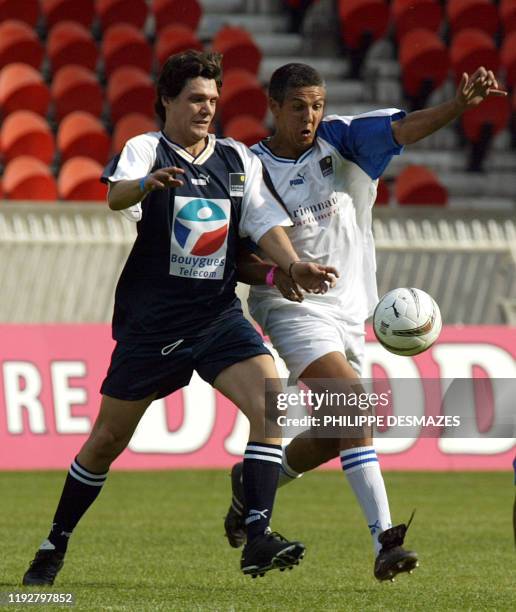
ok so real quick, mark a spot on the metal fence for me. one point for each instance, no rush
(59, 263)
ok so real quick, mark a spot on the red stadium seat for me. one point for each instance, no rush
(470, 49)
(480, 14)
(481, 124)
(493, 113)
(508, 57)
(76, 88)
(419, 185)
(82, 134)
(124, 45)
(246, 129)
(82, 11)
(361, 20)
(22, 88)
(19, 43)
(79, 179)
(238, 49)
(174, 39)
(185, 12)
(241, 90)
(411, 14)
(111, 12)
(28, 178)
(26, 133)
(69, 42)
(382, 194)
(424, 61)
(130, 90)
(26, 11)
(129, 126)
(507, 12)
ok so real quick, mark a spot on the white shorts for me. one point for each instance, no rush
(302, 333)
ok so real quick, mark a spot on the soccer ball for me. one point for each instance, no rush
(407, 321)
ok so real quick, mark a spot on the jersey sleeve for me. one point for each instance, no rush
(135, 161)
(365, 139)
(261, 211)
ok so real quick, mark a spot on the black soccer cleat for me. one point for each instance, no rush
(234, 524)
(44, 568)
(270, 551)
(393, 559)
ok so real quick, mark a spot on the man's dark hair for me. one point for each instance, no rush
(180, 68)
(293, 76)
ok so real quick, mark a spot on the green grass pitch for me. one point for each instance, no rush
(154, 541)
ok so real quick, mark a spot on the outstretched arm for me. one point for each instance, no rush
(470, 93)
(126, 193)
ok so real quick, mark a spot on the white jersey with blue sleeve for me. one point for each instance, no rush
(329, 192)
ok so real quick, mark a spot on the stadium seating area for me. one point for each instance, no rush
(77, 80)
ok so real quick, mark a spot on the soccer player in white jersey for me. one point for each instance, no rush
(325, 171)
(176, 310)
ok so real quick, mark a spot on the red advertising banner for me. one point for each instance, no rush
(50, 376)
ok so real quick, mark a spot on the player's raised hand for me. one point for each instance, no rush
(287, 287)
(164, 178)
(313, 277)
(476, 88)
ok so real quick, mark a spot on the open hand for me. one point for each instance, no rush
(312, 277)
(164, 178)
(474, 89)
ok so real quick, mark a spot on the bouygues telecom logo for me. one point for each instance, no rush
(199, 237)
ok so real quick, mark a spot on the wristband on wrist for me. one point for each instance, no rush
(142, 183)
(290, 267)
(269, 279)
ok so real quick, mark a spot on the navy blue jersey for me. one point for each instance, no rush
(181, 272)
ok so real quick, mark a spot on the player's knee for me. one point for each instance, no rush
(107, 444)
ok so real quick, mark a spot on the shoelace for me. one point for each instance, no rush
(276, 536)
(395, 536)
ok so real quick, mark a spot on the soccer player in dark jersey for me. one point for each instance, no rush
(176, 309)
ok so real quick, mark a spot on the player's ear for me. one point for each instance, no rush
(274, 106)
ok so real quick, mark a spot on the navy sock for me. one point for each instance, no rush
(260, 479)
(80, 490)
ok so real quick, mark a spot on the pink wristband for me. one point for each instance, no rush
(269, 279)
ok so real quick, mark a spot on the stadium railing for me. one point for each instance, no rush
(60, 263)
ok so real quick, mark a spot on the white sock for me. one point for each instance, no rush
(363, 472)
(286, 474)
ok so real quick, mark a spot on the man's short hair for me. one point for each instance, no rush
(293, 76)
(180, 68)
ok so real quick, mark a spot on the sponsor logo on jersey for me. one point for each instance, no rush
(236, 184)
(299, 180)
(198, 242)
(203, 179)
(326, 165)
(307, 214)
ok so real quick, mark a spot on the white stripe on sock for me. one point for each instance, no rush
(264, 449)
(84, 472)
(84, 481)
(263, 457)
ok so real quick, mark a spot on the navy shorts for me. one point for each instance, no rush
(140, 369)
